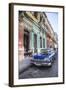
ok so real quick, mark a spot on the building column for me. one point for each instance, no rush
(21, 41)
(48, 42)
(31, 40)
(45, 40)
(38, 41)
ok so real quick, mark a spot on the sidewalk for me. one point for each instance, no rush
(24, 64)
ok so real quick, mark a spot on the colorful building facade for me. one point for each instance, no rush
(35, 32)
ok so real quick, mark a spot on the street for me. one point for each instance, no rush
(40, 72)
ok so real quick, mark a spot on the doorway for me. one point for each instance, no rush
(26, 40)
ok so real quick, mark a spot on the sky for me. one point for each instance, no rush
(53, 19)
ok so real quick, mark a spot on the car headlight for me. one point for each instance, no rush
(46, 59)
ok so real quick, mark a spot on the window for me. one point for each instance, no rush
(40, 42)
(41, 18)
(35, 41)
(43, 43)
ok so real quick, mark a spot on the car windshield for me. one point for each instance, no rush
(41, 50)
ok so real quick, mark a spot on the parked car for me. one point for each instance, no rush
(44, 58)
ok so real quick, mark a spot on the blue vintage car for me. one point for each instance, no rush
(44, 58)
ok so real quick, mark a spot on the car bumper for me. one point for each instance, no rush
(42, 64)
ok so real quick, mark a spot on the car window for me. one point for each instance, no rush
(44, 51)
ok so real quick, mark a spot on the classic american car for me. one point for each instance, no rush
(44, 58)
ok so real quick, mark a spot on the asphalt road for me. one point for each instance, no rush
(40, 72)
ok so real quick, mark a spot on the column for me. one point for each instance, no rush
(38, 41)
(45, 40)
(21, 41)
(32, 40)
